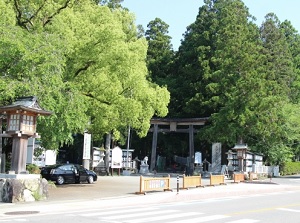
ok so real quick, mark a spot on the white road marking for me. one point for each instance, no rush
(117, 211)
(244, 221)
(138, 214)
(288, 209)
(163, 217)
(203, 219)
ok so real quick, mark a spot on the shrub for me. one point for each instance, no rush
(33, 169)
(290, 168)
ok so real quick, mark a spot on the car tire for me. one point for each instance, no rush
(90, 179)
(60, 180)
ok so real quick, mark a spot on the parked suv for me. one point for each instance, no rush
(68, 173)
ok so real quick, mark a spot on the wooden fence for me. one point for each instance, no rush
(154, 184)
(217, 180)
(253, 176)
(238, 177)
(191, 181)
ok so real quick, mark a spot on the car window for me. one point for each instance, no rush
(81, 168)
(66, 167)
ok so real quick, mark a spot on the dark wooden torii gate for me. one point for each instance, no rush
(173, 123)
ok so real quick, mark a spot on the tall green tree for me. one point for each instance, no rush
(280, 75)
(293, 40)
(237, 74)
(218, 55)
(159, 53)
(85, 63)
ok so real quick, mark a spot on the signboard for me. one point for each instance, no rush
(50, 158)
(116, 157)
(198, 157)
(156, 184)
(87, 146)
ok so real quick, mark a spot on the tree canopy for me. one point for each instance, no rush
(84, 61)
(89, 63)
(244, 77)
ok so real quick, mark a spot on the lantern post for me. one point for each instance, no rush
(241, 151)
(21, 124)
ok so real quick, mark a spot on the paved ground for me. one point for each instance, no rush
(126, 186)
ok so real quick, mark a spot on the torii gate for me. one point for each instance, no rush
(173, 123)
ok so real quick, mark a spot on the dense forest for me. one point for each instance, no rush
(98, 71)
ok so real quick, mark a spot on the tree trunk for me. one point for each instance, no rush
(107, 152)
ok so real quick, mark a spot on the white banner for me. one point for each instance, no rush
(87, 146)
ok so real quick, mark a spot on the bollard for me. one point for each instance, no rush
(177, 184)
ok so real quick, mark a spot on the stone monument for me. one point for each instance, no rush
(216, 155)
(144, 167)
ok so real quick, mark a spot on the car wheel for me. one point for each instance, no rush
(90, 179)
(60, 180)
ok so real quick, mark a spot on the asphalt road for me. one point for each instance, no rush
(264, 201)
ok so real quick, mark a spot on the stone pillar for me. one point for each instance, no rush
(154, 145)
(19, 154)
(216, 155)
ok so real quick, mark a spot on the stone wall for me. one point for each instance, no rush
(23, 190)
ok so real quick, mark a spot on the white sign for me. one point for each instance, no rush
(116, 157)
(198, 157)
(87, 146)
(50, 157)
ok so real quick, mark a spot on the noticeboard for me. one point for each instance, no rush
(116, 157)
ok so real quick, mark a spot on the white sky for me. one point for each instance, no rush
(178, 14)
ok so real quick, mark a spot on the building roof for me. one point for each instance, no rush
(26, 104)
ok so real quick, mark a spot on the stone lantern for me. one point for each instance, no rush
(21, 124)
(241, 152)
(230, 159)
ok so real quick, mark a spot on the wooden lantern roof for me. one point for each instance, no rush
(29, 104)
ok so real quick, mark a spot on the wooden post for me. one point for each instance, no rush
(191, 149)
(154, 145)
(19, 154)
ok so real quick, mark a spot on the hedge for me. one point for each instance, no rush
(290, 168)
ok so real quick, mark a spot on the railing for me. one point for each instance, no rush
(154, 184)
(191, 181)
(217, 180)
(238, 177)
(253, 176)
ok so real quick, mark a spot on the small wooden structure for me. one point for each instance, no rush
(191, 181)
(148, 184)
(217, 180)
(238, 177)
(21, 124)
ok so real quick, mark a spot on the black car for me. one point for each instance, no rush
(68, 173)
